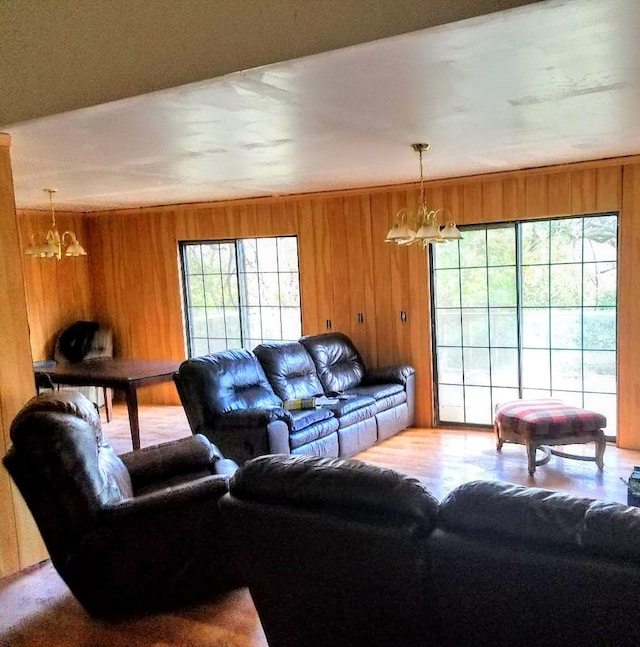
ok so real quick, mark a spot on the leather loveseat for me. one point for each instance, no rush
(236, 398)
(339, 552)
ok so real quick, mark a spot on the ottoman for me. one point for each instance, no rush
(539, 424)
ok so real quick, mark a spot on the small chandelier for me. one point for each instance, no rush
(427, 222)
(53, 242)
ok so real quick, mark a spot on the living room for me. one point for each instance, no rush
(131, 277)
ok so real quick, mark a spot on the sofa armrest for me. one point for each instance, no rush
(389, 374)
(172, 459)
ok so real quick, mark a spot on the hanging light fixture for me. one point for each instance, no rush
(427, 222)
(54, 242)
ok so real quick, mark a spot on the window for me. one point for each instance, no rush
(526, 310)
(240, 293)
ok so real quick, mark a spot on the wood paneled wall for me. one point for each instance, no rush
(20, 543)
(346, 269)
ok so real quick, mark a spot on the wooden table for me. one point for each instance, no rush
(124, 374)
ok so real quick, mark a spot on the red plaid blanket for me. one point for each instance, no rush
(546, 417)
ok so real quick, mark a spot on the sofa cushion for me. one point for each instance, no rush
(289, 369)
(337, 361)
(303, 418)
(352, 409)
(386, 395)
(313, 432)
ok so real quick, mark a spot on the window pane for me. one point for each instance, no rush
(450, 365)
(600, 371)
(269, 289)
(251, 323)
(500, 396)
(473, 248)
(600, 328)
(475, 327)
(474, 287)
(267, 255)
(288, 254)
(230, 294)
(601, 238)
(566, 240)
(210, 259)
(199, 347)
(535, 369)
(271, 327)
(198, 321)
(566, 327)
(215, 323)
(501, 243)
(447, 284)
(502, 286)
(232, 323)
(535, 328)
(193, 259)
(449, 327)
(504, 367)
(289, 289)
(451, 403)
(600, 284)
(535, 242)
(213, 290)
(535, 285)
(446, 255)
(291, 326)
(566, 285)
(476, 366)
(566, 370)
(477, 405)
(503, 325)
(250, 289)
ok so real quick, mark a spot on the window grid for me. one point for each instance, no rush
(580, 385)
(249, 319)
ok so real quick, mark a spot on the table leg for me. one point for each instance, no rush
(132, 408)
(108, 403)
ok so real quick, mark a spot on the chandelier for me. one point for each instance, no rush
(55, 245)
(426, 221)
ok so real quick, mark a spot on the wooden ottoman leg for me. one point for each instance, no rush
(601, 445)
(531, 455)
(499, 441)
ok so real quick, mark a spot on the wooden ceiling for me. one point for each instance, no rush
(545, 83)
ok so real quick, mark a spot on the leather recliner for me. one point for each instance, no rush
(334, 551)
(138, 532)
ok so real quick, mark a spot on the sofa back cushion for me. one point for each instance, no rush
(289, 369)
(230, 380)
(337, 361)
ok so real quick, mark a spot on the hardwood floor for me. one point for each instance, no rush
(36, 608)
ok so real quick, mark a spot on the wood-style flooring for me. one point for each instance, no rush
(36, 608)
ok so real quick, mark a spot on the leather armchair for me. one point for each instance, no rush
(138, 532)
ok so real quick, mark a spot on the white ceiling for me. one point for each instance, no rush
(547, 83)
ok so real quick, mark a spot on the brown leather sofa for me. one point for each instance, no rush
(138, 532)
(236, 398)
(339, 552)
